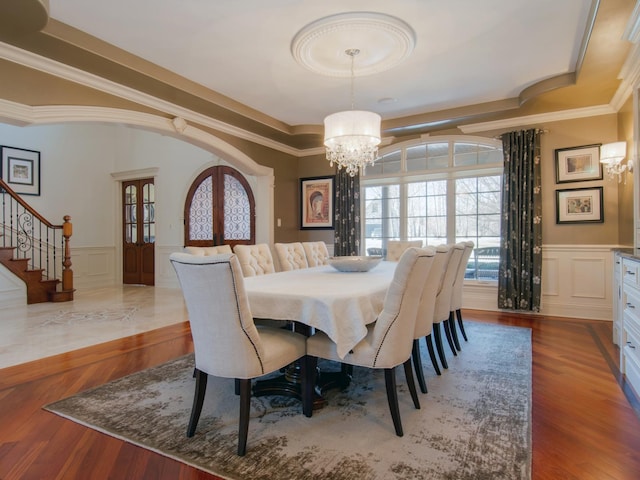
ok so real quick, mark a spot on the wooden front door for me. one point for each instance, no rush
(139, 232)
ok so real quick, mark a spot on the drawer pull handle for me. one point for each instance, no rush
(630, 305)
(630, 273)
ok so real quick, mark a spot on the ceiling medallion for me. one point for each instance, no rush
(383, 40)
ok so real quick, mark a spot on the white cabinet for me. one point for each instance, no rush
(630, 337)
(617, 298)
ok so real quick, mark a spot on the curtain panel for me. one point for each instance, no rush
(520, 271)
(347, 214)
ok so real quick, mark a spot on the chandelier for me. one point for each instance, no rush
(611, 157)
(352, 137)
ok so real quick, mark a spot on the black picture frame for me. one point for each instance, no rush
(20, 169)
(316, 203)
(578, 164)
(580, 205)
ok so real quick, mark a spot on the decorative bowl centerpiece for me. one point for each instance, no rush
(353, 263)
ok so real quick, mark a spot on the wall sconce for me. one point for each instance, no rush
(611, 157)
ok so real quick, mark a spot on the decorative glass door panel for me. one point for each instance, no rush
(220, 209)
(139, 232)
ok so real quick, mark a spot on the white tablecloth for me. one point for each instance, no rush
(340, 304)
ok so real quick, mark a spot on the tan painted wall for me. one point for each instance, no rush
(570, 133)
(625, 189)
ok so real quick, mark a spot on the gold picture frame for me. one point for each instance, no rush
(316, 203)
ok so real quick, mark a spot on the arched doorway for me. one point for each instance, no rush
(219, 209)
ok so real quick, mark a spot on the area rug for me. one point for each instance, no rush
(475, 422)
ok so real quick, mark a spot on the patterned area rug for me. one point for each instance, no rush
(475, 422)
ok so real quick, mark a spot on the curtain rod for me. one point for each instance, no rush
(538, 130)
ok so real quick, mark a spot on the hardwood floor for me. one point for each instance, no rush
(583, 425)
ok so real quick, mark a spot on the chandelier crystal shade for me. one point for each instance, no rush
(352, 137)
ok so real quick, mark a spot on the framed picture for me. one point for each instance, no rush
(579, 205)
(21, 170)
(316, 209)
(578, 164)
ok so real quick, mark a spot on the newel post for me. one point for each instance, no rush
(67, 273)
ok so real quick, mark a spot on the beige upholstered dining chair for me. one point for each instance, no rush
(456, 294)
(426, 309)
(226, 341)
(206, 251)
(291, 256)
(395, 248)
(255, 259)
(389, 340)
(443, 303)
(316, 252)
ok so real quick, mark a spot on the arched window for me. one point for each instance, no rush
(219, 209)
(442, 190)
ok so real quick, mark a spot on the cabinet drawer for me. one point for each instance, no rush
(632, 340)
(631, 306)
(630, 272)
(632, 371)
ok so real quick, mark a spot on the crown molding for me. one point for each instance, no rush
(538, 118)
(72, 74)
(23, 115)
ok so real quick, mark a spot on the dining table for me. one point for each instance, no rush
(341, 304)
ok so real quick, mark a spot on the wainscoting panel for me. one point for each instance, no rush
(94, 267)
(165, 274)
(550, 275)
(576, 282)
(588, 280)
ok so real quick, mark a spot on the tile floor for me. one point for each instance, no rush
(36, 331)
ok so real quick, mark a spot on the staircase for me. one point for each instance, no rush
(35, 250)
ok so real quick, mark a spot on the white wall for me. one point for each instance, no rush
(82, 165)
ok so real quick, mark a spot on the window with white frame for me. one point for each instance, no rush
(439, 190)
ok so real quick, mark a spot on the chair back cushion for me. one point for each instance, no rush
(426, 308)
(393, 332)
(395, 248)
(316, 252)
(456, 292)
(225, 339)
(206, 251)
(443, 299)
(291, 256)
(255, 259)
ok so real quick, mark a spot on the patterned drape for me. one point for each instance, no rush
(521, 231)
(347, 214)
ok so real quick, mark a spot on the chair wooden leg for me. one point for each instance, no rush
(461, 325)
(245, 405)
(408, 372)
(432, 354)
(392, 397)
(310, 368)
(417, 365)
(454, 331)
(236, 384)
(438, 338)
(198, 399)
(447, 332)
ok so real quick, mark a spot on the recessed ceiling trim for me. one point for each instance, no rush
(538, 118)
(72, 74)
(384, 42)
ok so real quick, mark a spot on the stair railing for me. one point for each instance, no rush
(34, 237)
